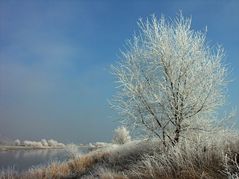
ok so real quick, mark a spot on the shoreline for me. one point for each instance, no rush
(9, 148)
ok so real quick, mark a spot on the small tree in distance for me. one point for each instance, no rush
(168, 78)
(17, 142)
(121, 135)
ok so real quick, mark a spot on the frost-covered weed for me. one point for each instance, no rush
(202, 155)
(72, 151)
(9, 173)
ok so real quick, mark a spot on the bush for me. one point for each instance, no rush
(54, 143)
(121, 136)
(44, 143)
(17, 142)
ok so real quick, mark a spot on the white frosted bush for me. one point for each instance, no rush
(44, 142)
(52, 143)
(36, 144)
(61, 145)
(32, 143)
(121, 135)
(27, 143)
(17, 142)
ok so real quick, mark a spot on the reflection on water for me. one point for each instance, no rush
(24, 159)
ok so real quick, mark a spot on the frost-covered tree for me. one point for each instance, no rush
(17, 142)
(44, 142)
(168, 77)
(121, 135)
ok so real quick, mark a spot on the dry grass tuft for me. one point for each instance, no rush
(82, 165)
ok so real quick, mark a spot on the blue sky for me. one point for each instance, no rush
(55, 56)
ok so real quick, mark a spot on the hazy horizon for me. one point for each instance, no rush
(55, 58)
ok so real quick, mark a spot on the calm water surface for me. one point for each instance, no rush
(24, 159)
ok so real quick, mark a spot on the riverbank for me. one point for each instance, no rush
(147, 159)
(8, 147)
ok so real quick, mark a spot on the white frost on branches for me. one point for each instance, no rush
(168, 78)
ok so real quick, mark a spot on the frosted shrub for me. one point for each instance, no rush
(17, 142)
(121, 135)
(52, 143)
(27, 143)
(32, 143)
(44, 142)
(60, 145)
(36, 144)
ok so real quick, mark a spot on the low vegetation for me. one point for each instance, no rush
(27, 144)
(209, 155)
(39, 144)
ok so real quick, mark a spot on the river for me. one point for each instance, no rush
(22, 160)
